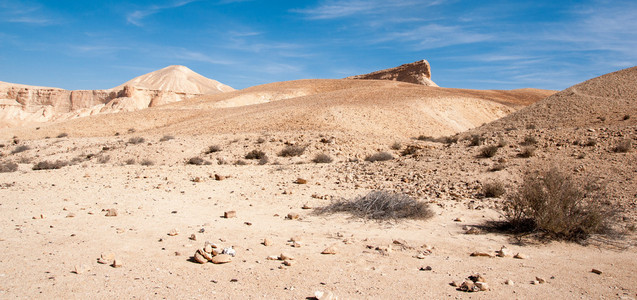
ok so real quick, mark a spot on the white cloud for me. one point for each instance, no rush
(332, 9)
(137, 16)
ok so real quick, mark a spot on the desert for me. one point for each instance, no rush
(383, 185)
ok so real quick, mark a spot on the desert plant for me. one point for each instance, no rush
(591, 142)
(292, 150)
(198, 161)
(380, 156)
(102, 159)
(62, 135)
(166, 138)
(527, 152)
(381, 205)
(531, 126)
(6, 167)
(497, 167)
(20, 148)
(255, 154)
(213, 149)
(260, 140)
(475, 140)
(502, 143)
(130, 161)
(264, 160)
(396, 146)
(48, 165)
(623, 146)
(322, 158)
(131, 130)
(240, 162)
(529, 140)
(551, 202)
(136, 140)
(493, 189)
(409, 150)
(488, 151)
(146, 162)
(426, 138)
(626, 117)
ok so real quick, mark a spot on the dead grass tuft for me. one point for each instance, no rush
(50, 165)
(380, 156)
(381, 205)
(290, 151)
(322, 158)
(7, 167)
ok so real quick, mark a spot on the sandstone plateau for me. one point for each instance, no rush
(23, 104)
(418, 72)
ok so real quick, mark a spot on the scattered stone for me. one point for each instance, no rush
(427, 268)
(325, 295)
(200, 258)
(230, 214)
(267, 242)
(288, 263)
(509, 282)
(483, 286)
(482, 254)
(540, 280)
(469, 286)
(111, 212)
(248, 223)
(503, 252)
(293, 216)
(473, 230)
(177, 253)
(297, 239)
(193, 237)
(300, 181)
(458, 219)
(207, 248)
(207, 255)
(219, 177)
(306, 206)
(80, 269)
(106, 258)
(117, 263)
(520, 256)
(296, 244)
(221, 259)
(402, 243)
(196, 179)
(329, 250)
(70, 215)
(229, 251)
(272, 257)
(535, 282)
(454, 283)
(285, 256)
(173, 232)
(596, 271)
(41, 216)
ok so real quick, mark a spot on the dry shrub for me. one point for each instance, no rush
(6, 167)
(198, 161)
(531, 126)
(623, 146)
(552, 203)
(409, 150)
(626, 117)
(130, 161)
(264, 160)
(240, 162)
(146, 162)
(396, 146)
(255, 154)
(498, 167)
(527, 152)
(260, 140)
(380, 156)
(20, 148)
(102, 159)
(212, 149)
(443, 139)
(136, 140)
(502, 143)
(488, 151)
(62, 135)
(322, 158)
(381, 205)
(49, 165)
(493, 189)
(291, 150)
(166, 138)
(591, 142)
(529, 140)
(475, 140)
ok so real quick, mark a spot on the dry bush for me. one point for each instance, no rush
(409, 150)
(488, 151)
(260, 140)
(493, 189)
(146, 162)
(166, 138)
(380, 156)
(396, 146)
(381, 205)
(623, 146)
(255, 154)
(240, 162)
(102, 159)
(291, 150)
(552, 203)
(136, 140)
(591, 142)
(443, 139)
(20, 148)
(62, 135)
(527, 152)
(212, 149)
(502, 143)
(131, 130)
(264, 160)
(626, 117)
(475, 140)
(9, 166)
(529, 140)
(198, 161)
(426, 138)
(497, 167)
(49, 165)
(130, 161)
(322, 158)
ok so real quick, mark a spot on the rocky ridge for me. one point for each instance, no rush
(418, 72)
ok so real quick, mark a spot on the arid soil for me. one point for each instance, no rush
(55, 228)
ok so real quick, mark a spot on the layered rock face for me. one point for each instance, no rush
(417, 72)
(23, 104)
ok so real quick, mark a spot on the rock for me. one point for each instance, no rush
(272, 257)
(509, 282)
(472, 230)
(520, 256)
(173, 232)
(418, 72)
(503, 252)
(540, 280)
(117, 263)
(221, 259)
(207, 255)
(111, 212)
(102, 261)
(193, 237)
(483, 286)
(293, 216)
(108, 256)
(458, 219)
(482, 254)
(207, 248)
(230, 214)
(297, 239)
(469, 286)
(454, 283)
(329, 250)
(300, 181)
(325, 295)
(296, 244)
(285, 256)
(80, 269)
(230, 251)
(70, 215)
(200, 258)
(402, 243)
(288, 263)
(596, 271)
(427, 268)
(306, 206)
(535, 282)
(267, 242)
(219, 177)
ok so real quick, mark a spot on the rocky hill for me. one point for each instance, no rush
(418, 72)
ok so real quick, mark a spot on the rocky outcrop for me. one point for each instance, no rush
(417, 72)
(22, 104)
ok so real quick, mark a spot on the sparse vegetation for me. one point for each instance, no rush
(623, 146)
(49, 165)
(497, 167)
(475, 140)
(493, 189)
(131, 130)
(264, 160)
(240, 162)
(531, 126)
(255, 154)
(198, 161)
(626, 117)
(130, 161)
(488, 151)
(409, 150)
(292, 150)
(552, 203)
(213, 149)
(62, 135)
(146, 162)
(527, 152)
(20, 148)
(260, 140)
(443, 139)
(502, 143)
(7, 167)
(591, 142)
(136, 140)
(381, 205)
(396, 146)
(166, 138)
(529, 140)
(102, 159)
(322, 158)
(380, 156)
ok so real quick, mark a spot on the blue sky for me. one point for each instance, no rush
(485, 44)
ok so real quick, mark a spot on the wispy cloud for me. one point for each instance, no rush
(20, 12)
(433, 36)
(184, 54)
(137, 16)
(332, 9)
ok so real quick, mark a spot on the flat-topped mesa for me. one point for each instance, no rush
(418, 72)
